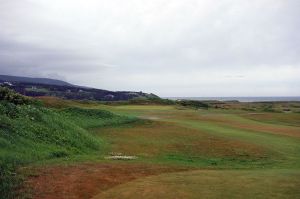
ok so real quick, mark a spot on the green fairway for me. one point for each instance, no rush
(214, 140)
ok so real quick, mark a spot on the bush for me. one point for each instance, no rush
(58, 154)
(91, 118)
(193, 104)
(88, 112)
(9, 95)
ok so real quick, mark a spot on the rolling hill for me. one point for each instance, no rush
(37, 87)
(8, 78)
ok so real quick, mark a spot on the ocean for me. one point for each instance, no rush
(240, 99)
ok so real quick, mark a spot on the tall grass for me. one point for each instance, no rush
(30, 132)
(92, 118)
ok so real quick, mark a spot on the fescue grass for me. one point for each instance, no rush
(92, 118)
(31, 133)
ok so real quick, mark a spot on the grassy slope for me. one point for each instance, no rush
(31, 133)
(92, 118)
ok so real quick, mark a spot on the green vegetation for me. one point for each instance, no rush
(148, 100)
(219, 148)
(29, 133)
(12, 97)
(193, 104)
(92, 118)
(257, 152)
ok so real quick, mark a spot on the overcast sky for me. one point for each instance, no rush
(168, 47)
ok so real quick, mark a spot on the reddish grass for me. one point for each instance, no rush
(156, 138)
(87, 180)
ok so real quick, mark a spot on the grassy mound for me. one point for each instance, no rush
(30, 132)
(91, 118)
(13, 97)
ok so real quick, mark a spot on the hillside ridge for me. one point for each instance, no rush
(38, 87)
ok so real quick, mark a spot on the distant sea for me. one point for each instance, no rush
(240, 99)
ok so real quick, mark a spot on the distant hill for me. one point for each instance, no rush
(37, 87)
(8, 78)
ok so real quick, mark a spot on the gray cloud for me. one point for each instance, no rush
(172, 48)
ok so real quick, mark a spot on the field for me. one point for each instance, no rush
(179, 152)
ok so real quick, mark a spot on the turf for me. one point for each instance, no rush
(230, 153)
(268, 149)
(211, 184)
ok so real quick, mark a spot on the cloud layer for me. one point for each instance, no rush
(172, 48)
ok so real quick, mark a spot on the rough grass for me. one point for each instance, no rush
(30, 133)
(92, 118)
(58, 103)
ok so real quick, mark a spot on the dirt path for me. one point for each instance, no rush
(87, 180)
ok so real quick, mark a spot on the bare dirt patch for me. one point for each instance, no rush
(87, 180)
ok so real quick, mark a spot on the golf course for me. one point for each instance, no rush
(226, 154)
(160, 99)
(86, 149)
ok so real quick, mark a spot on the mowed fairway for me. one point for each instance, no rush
(211, 184)
(204, 153)
(238, 155)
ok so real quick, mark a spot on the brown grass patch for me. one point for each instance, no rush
(155, 138)
(216, 147)
(87, 180)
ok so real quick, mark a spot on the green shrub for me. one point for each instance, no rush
(193, 104)
(58, 154)
(91, 118)
(96, 113)
(9, 95)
